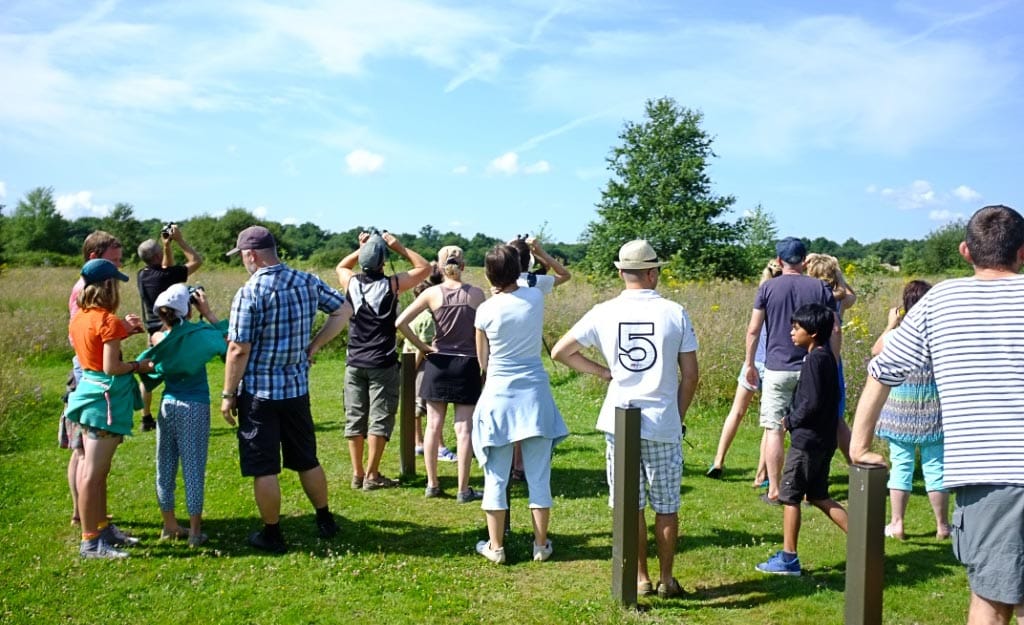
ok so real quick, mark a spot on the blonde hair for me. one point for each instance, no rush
(824, 267)
(772, 270)
(452, 270)
(103, 295)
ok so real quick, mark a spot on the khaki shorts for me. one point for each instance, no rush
(777, 390)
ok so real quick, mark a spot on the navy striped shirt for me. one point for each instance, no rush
(274, 312)
(972, 331)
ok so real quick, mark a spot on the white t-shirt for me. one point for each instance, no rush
(640, 334)
(513, 323)
(543, 282)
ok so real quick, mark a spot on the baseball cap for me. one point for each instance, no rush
(253, 238)
(638, 254)
(791, 250)
(373, 253)
(176, 297)
(100, 269)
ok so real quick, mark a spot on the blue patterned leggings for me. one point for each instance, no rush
(182, 433)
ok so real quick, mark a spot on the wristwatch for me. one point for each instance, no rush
(227, 395)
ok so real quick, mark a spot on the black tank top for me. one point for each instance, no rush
(371, 331)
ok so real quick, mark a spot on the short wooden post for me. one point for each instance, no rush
(865, 545)
(625, 515)
(407, 417)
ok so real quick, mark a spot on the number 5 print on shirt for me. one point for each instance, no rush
(636, 351)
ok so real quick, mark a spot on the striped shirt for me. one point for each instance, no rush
(273, 312)
(972, 332)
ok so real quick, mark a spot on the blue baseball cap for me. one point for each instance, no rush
(791, 250)
(99, 270)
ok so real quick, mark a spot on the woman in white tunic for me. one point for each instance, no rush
(516, 403)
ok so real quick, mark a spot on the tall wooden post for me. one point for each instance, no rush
(625, 515)
(407, 417)
(865, 545)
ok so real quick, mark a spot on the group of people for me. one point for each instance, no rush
(954, 354)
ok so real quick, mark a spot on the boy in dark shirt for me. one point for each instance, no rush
(811, 423)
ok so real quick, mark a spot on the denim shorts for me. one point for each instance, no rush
(988, 538)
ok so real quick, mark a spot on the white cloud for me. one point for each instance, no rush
(3, 189)
(507, 163)
(540, 167)
(290, 221)
(362, 162)
(460, 170)
(80, 204)
(944, 215)
(917, 194)
(966, 194)
(260, 212)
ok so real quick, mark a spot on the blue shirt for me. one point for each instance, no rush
(273, 312)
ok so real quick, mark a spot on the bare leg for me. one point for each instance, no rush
(541, 518)
(73, 461)
(790, 527)
(740, 403)
(898, 501)
(832, 509)
(495, 527)
(463, 432)
(940, 506)
(436, 411)
(642, 574)
(92, 481)
(418, 420)
(762, 467)
(267, 491)
(355, 452)
(773, 454)
(843, 435)
(377, 444)
(170, 521)
(314, 482)
(195, 524)
(987, 612)
(666, 532)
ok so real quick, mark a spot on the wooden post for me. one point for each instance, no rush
(625, 515)
(865, 545)
(407, 417)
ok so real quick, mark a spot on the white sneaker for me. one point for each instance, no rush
(101, 550)
(446, 455)
(496, 556)
(542, 552)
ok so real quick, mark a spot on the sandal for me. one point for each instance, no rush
(644, 589)
(178, 533)
(670, 590)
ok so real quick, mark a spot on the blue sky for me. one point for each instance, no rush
(865, 120)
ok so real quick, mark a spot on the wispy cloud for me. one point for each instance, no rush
(540, 167)
(3, 189)
(260, 212)
(508, 164)
(460, 170)
(966, 194)
(360, 162)
(921, 194)
(944, 215)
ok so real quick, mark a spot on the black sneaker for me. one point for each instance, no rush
(148, 423)
(328, 527)
(258, 541)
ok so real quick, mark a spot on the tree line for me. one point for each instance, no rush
(659, 189)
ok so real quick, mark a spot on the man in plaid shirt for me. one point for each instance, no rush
(266, 379)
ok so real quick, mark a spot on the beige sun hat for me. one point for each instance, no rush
(638, 254)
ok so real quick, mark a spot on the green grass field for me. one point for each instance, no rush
(401, 558)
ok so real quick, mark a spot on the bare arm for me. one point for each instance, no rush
(418, 305)
(864, 421)
(234, 367)
(836, 340)
(562, 274)
(567, 351)
(420, 267)
(331, 328)
(113, 365)
(688, 378)
(894, 320)
(851, 296)
(193, 260)
(483, 349)
(344, 269)
(753, 334)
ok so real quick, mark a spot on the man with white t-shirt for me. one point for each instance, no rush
(651, 351)
(971, 331)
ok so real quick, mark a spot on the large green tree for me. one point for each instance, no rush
(37, 226)
(660, 190)
(939, 253)
(759, 236)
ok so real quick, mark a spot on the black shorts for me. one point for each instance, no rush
(805, 473)
(269, 429)
(453, 379)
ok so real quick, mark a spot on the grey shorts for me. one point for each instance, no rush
(371, 400)
(777, 389)
(988, 538)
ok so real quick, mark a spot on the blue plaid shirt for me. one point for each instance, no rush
(273, 312)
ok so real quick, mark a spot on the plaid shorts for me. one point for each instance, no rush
(661, 472)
